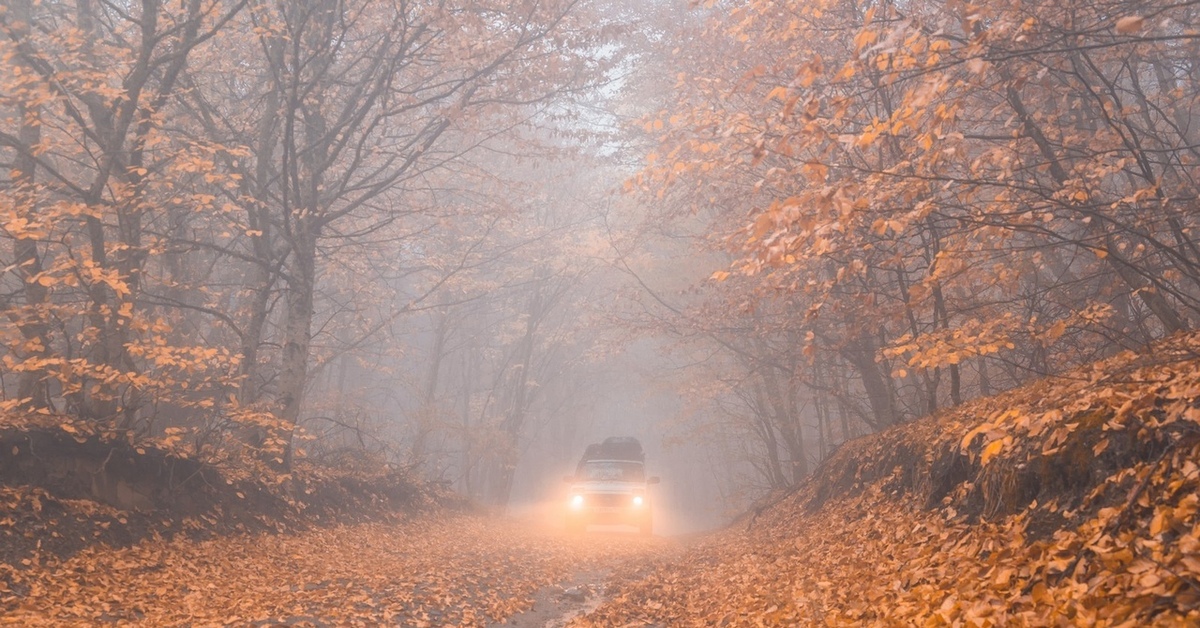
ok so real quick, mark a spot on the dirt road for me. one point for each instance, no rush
(433, 572)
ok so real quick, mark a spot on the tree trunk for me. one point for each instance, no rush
(861, 356)
(297, 330)
(32, 384)
(252, 335)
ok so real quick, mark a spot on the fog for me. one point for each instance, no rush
(465, 241)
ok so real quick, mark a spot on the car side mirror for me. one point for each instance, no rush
(654, 479)
(569, 479)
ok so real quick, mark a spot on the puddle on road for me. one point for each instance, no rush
(556, 606)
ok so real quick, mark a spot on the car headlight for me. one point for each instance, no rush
(577, 501)
(638, 500)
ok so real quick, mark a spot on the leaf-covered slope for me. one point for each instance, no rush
(65, 486)
(1069, 501)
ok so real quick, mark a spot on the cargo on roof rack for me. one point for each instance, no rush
(615, 448)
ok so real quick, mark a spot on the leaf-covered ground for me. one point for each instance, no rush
(434, 571)
(1073, 501)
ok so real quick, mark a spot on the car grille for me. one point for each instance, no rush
(608, 500)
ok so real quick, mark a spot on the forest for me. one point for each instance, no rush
(309, 305)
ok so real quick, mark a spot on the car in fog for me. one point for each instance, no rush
(609, 487)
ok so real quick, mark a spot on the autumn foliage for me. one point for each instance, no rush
(210, 205)
(929, 270)
(922, 202)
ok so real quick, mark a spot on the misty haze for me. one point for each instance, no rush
(599, 313)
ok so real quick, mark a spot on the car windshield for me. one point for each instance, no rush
(618, 470)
